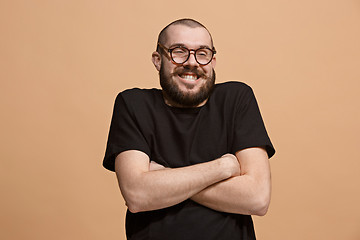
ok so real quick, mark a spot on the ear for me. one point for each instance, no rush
(213, 62)
(156, 59)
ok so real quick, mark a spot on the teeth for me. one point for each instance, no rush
(189, 77)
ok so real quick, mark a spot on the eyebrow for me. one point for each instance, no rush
(183, 45)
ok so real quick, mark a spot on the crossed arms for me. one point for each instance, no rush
(239, 183)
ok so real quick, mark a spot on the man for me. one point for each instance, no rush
(191, 159)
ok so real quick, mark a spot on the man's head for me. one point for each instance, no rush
(186, 82)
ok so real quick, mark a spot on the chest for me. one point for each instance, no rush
(182, 139)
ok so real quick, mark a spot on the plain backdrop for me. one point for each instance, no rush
(63, 62)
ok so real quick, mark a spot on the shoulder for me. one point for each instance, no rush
(232, 87)
(232, 91)
(137, 93)
(138, 101)
(137, 96)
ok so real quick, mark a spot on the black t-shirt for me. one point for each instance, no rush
(176, 137)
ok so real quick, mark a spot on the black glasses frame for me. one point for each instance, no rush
(169, 50)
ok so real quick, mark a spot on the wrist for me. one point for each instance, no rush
(230, 165)
(224, 167)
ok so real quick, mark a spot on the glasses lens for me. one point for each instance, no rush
(179, 54)
(203, 55)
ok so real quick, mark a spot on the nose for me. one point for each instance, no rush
(191, 60)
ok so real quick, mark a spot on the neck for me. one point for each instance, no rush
(171, 103)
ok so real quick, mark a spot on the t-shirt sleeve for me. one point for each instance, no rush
(124, 133)
(249, 129)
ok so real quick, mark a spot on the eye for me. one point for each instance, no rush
(179, 50)
(202, 52)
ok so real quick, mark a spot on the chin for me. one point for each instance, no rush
(186, 94)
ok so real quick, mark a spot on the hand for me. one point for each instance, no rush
(155, 166)
(232, 163)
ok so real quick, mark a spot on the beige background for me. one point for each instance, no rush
(63, 62)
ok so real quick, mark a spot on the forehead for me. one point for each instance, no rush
(188, 36)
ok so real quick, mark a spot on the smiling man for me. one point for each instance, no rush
(192, 158)
(186, 81)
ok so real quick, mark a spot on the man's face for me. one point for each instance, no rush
(188, 84)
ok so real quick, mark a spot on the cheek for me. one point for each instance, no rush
(167, 68)
(208, 70)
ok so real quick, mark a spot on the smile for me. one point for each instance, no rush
(190, 77)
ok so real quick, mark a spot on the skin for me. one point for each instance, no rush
(239, 183)
(145, 190)
(192, 38)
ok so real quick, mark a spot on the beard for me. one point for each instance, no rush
(186, 99)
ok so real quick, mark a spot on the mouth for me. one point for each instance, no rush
(192, 77)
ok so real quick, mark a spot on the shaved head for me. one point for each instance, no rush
(186, 22)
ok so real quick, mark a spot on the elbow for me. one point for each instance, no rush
(261, 211)
(141, 200)
(261, 206)
(135, 201)
(133, 208)
(133, 205)
(136, 206)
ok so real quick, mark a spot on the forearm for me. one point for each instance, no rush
(167, 187)
(146, 190)
(242, 194)
(248, 193)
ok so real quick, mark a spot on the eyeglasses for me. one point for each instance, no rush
(180, 54)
